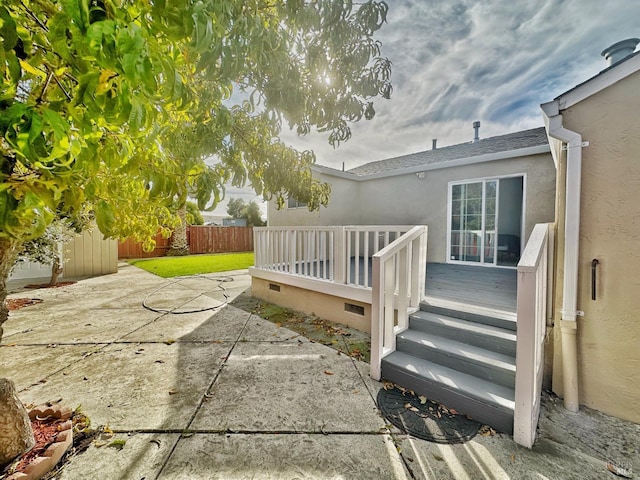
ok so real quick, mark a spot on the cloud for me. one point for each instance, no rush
(494, 61)
(456, 62)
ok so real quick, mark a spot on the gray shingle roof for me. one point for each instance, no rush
(512, 141)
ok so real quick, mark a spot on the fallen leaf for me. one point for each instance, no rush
(423, 399)
(118, 444)
(410, 407)
(619, 470)
(170, 341)
(327, 372)
(173, 392)
(486, 431)
(513, 457)
(157, 442)
(159, 361)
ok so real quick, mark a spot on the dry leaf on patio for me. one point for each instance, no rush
(619, 470)
(410, 407)
(486, 431)
(327, 372)
(173, 392)
(118, 444)
(423, 399)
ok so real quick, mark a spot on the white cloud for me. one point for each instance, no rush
(457, 62)
(460, 61)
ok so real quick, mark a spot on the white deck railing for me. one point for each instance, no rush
(531, 321)
(324, 253)
(399, 272)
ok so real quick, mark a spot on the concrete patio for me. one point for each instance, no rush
(224, 394)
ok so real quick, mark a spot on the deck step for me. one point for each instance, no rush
(490, 337)
(501, 319)
(485, 401)
(480, 362)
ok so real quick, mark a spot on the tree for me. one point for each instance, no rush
(194, 216)
(47, 249)
(237, 208)
(90, 87)
(253, 215)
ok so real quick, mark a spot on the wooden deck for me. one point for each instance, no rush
(474, 285)
(485, 287)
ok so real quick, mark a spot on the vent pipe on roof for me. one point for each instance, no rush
(619, 51)
(476, 128)
(434, 144)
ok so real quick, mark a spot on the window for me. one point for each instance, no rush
(293, 203)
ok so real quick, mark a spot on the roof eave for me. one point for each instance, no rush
(489, 157)
(598, 83)
(333, 172)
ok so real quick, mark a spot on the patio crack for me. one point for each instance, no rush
(204, 396)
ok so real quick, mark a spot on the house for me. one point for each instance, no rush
(361, 262)
(594, 133)
(446, 188)
(465, 261)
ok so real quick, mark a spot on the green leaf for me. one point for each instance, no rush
(7, 29)
(105, 218)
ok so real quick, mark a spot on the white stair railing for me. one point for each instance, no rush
(531, 326)
(398, 279)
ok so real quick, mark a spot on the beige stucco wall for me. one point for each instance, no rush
(410, 200)
(325, 306)
(609, 331)
(342, 212)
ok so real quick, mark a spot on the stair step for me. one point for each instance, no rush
(480, 362)
(486, 336)
(482, 400)
(501, 319)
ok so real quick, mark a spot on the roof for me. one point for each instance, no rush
(607, 77)
(486, 147)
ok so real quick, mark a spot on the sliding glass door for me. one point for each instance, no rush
(472, 228)
(485, 221)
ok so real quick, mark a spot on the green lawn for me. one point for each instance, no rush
(167, 267)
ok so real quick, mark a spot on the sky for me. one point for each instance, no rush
(458, 61)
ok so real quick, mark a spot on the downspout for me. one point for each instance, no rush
(568, 324)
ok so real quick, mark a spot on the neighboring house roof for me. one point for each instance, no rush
(527, 142)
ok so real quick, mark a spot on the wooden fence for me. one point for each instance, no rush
(201, 239)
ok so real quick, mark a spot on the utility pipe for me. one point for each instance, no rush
(568, 325)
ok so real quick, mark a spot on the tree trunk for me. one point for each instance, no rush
(16, 435)
(179, 245)
(9, 250)
(56, 271)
